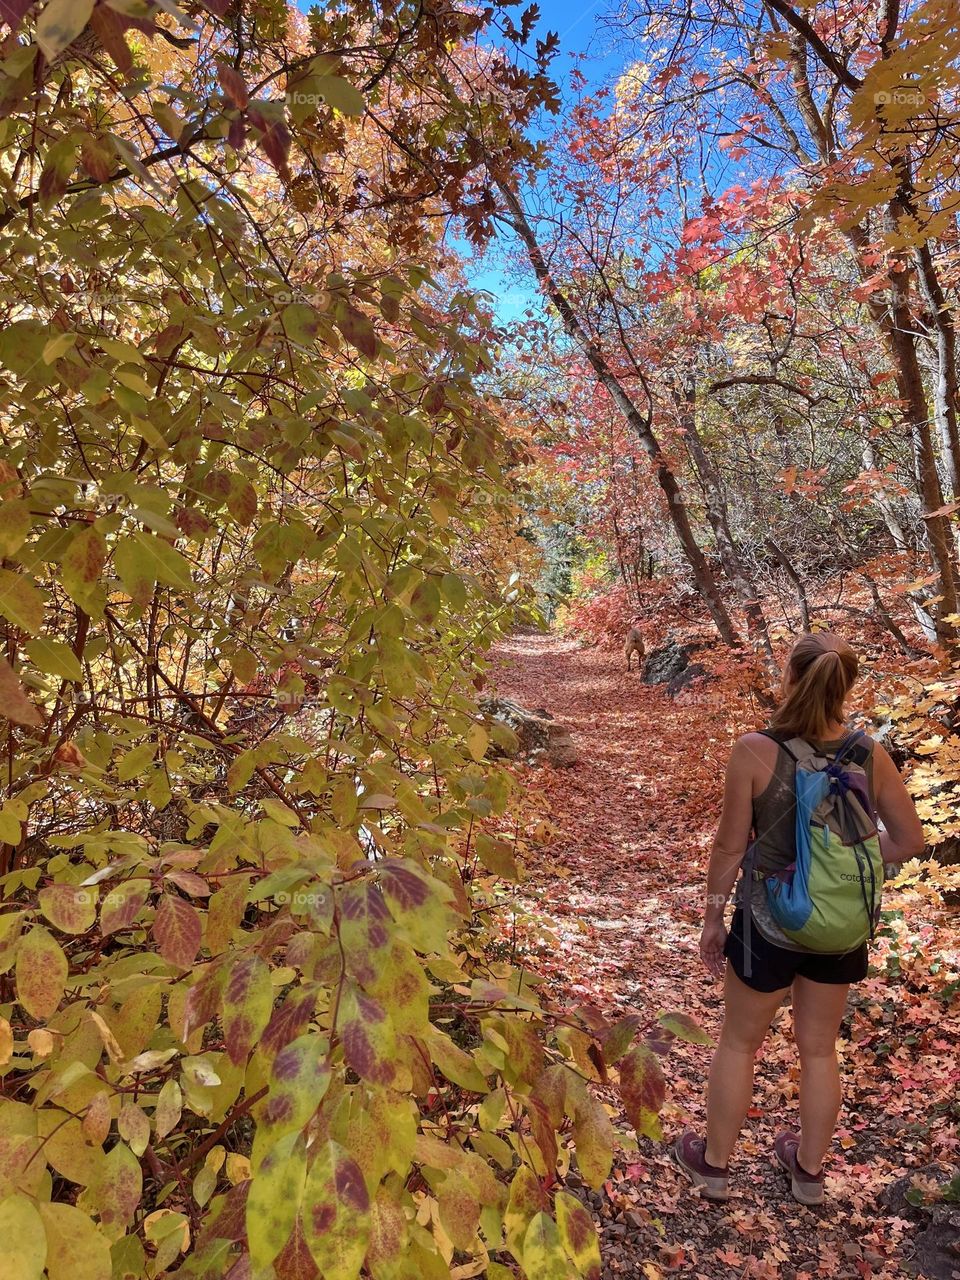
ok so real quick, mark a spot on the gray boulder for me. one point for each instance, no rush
(666, 663)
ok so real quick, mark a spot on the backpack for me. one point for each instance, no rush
(828, 899)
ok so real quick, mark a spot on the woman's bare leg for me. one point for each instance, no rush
(818, 1009)
(746, 1020)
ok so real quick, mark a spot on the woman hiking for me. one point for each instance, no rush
(808, 752)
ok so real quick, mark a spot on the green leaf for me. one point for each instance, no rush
(273, 1203)
(496, 855)
(160, 562)
(58, 346)
(20, 601)
(684, 1028)
(76, 1248)
(340, 93)
(24, 1239)
(59, 24)
(336, 1214)
(10, 829)
(55, 658)
(15, 524)
(455, 1063)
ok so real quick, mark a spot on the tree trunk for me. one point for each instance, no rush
(717, 514)
(783, 560)
(896, 328)
(639, 422)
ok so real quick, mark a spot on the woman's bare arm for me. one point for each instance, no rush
(736, 819)
(729, 845)
(902, 836)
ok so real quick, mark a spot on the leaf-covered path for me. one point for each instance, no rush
(621, 882)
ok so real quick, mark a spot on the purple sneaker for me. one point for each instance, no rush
(803, 1186)
(689, 1155)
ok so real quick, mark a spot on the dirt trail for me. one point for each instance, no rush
(622, 882)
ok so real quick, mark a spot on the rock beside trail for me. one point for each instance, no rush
(695, 671)
(533, 736)
(936, 1249)
(667, 663)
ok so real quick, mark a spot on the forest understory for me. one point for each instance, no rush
(620, 884)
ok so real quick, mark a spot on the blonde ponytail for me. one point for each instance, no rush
(820, 673)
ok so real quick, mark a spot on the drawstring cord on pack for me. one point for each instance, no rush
(840, 785)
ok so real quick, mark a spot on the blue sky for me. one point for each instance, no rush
(576, 22)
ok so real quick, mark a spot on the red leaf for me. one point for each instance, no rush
(177, 931)
(231, 82)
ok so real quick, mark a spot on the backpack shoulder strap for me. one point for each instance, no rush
(779, 740)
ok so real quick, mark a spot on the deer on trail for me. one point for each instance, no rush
(634, 644)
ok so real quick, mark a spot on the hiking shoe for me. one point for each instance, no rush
(805, 1187)
(689, 1155)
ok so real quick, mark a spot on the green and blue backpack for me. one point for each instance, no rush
(828, 898)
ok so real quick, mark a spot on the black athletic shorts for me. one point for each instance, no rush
(775, 967)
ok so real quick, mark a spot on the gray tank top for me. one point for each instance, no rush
(774, 836)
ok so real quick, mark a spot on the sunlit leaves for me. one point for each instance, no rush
(20, 601)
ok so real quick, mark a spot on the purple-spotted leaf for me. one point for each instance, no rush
(41, 973)
(118, 1189)
(76, 1248)
(122, 904)
(177, 931)
(578, 1235)
(419, 903)
(543, 1255)
(617, 1040)
(543, 1131)
(69, 908)
(369, 1042)
(336, 1212)
(593, 1134)
(358, 331)
(274, 1199)
(526, 1200)
(247, 1005)
(298, 1082)
(643, 1090)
